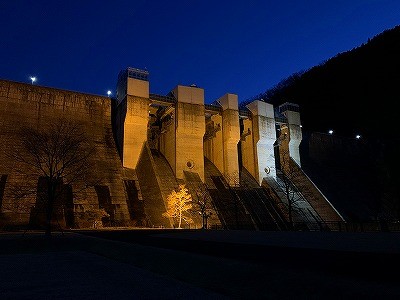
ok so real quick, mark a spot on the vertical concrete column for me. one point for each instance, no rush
(247, 147)
(231, 137)
(264, 136)
(190, 129)
(213, 143)
(292, 113)
(167, 144)
(284, 153)
(136, 119)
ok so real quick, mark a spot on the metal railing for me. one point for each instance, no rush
(162, 98)
(213, 108)
(245, 113)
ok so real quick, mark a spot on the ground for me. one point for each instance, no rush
(178, 264)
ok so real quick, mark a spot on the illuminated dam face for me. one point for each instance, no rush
(146, 145)
(185, 130)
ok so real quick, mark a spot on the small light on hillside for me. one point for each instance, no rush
(330, 131)
(358, 136)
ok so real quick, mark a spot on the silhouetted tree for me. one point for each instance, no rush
(94, 217)
(287, 175)
(290, 195)
(57, 153)
(234, 180)
(203, 204)
(234, 183)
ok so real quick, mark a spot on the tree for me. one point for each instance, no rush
(234, 179)
(93, 217)
(287, 174)
(286, 177)
(58, 154)
(203, 203)
(179, 203)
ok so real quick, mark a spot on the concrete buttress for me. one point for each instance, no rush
(264, 136)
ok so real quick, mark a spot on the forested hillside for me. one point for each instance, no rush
(355, 92)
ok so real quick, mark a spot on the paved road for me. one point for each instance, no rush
(82, 275)
(154, 265)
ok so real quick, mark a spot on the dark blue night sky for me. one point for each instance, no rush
(241, 47)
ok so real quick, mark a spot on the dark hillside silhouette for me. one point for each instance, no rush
(355, 92)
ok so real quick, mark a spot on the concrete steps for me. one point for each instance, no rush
(310, 206)
(230, 209)
(314, 196)
(198, 189)
(259, 204)
(164, 173)
(154, 184)
(302, 212)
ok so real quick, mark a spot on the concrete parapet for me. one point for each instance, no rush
(138, 88)
(189, 94)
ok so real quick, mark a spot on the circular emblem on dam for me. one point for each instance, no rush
(190, 164)
(267, 170)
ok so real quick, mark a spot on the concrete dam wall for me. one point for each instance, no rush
(23, 105)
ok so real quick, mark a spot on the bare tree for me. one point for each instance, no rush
(57, 153)
(290, 195)
(286, 176)
(204, 203)
(233, 181)
(179, 203)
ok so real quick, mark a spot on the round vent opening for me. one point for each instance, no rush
(190, 164)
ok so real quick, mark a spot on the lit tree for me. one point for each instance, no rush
(179, 203)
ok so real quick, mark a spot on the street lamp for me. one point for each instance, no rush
(108, 93)
(33, 79)
(330, 131)
(358, 136)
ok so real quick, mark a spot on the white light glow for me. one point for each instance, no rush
(108, 93)
(330, 131)
(33, 79)
(358, 136)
